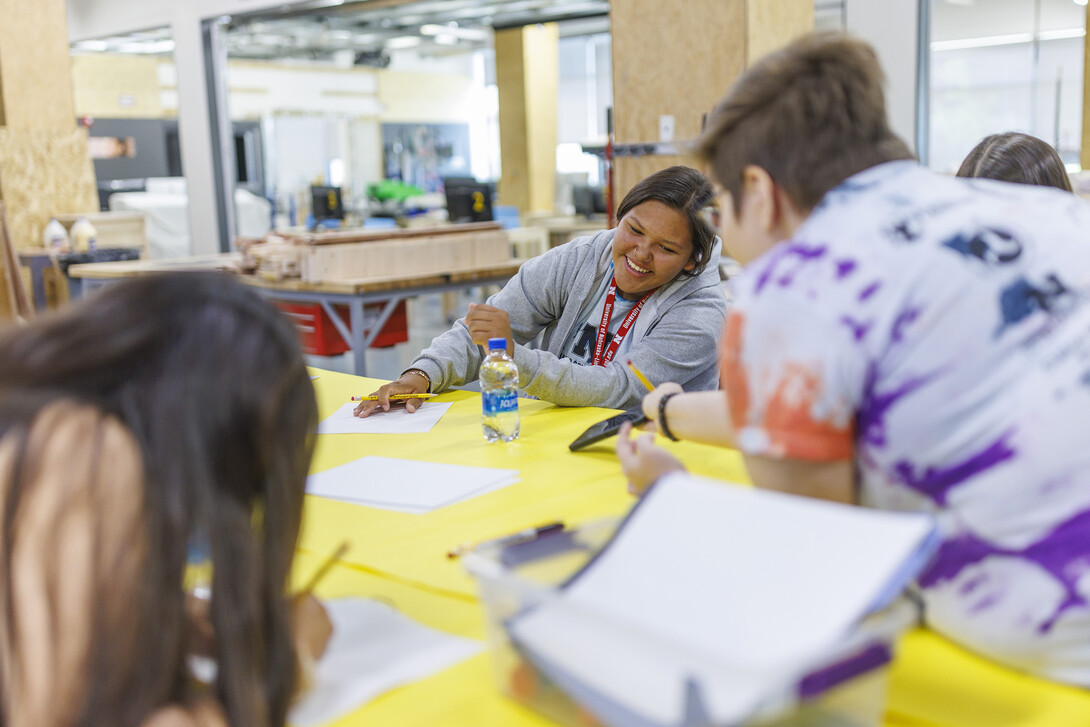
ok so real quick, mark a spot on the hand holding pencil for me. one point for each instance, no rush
(411, 389)
(311, 627)
(650, 403)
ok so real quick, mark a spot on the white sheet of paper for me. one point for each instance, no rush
(737, 587)
(406, 485)
(395, 421)
(373, 649)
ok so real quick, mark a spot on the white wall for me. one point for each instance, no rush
(97, 18)
(891, 27)
(260, 89)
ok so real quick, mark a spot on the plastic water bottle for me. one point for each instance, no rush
(499, 393)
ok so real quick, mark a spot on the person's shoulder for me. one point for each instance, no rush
(204, 714)
(71, 443)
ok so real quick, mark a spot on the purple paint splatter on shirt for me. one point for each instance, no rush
(972, 584)
(904, 318)
(844, 268)
(871, 418)
(859, 329)
(869, 290)
(936, 482)
(796, 252)
(1064, 553)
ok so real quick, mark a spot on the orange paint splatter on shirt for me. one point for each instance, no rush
(787, 417)
(791, 426)
(733, 377)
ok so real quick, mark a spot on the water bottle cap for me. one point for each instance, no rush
(495, 344)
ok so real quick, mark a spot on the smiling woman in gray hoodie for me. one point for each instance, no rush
(646, 291)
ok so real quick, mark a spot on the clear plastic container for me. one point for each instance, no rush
(55, 237)
(83, 236)
(846, 689)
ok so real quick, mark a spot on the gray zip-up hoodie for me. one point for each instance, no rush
(675, 338)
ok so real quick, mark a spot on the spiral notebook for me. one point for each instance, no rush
(719, 590)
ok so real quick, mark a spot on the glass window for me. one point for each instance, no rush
(1000, 66)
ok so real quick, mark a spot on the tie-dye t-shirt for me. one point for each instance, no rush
(938, 331)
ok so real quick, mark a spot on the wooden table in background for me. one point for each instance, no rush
(354, 293)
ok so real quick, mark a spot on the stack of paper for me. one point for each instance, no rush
(396, 421)
(406, 485)
(373, 649)
(729, 593)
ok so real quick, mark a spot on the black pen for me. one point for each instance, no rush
(522, 536)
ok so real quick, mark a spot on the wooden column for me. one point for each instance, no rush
(45, 169)
(679, 58)
(527, 76)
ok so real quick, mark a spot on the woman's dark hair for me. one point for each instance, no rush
(685, 190)
(1016, 157)
(209, 380)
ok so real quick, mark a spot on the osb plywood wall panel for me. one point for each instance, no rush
(772, 25)
(514, 186)
(684, 72)
(681, 73)
(44, 173)
(117, 86)
(35, 78)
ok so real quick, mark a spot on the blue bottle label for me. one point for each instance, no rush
(499, 402)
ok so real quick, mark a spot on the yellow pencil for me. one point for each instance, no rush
(394, 397)
(324, 568)
(640, 376)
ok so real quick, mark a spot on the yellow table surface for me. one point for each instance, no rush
(401, 559)
(555, 484)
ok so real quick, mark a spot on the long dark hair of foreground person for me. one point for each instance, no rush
(210, 381)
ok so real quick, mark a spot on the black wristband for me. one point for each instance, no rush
(662, 416)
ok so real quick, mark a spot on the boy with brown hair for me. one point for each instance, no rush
(905, 340)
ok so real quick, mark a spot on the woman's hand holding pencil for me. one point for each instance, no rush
(393, 397)
(410, 388)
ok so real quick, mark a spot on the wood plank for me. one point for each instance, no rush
(135, 268)
(339, 237)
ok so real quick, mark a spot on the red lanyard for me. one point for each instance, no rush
(622, 331)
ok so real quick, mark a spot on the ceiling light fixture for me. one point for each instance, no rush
(403, 41)
(453, 30)
(1013, 39)
(95, 46)
(150, 48)
(983, 42)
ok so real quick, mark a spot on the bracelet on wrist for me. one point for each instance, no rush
(662, 416)
(421, 374)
